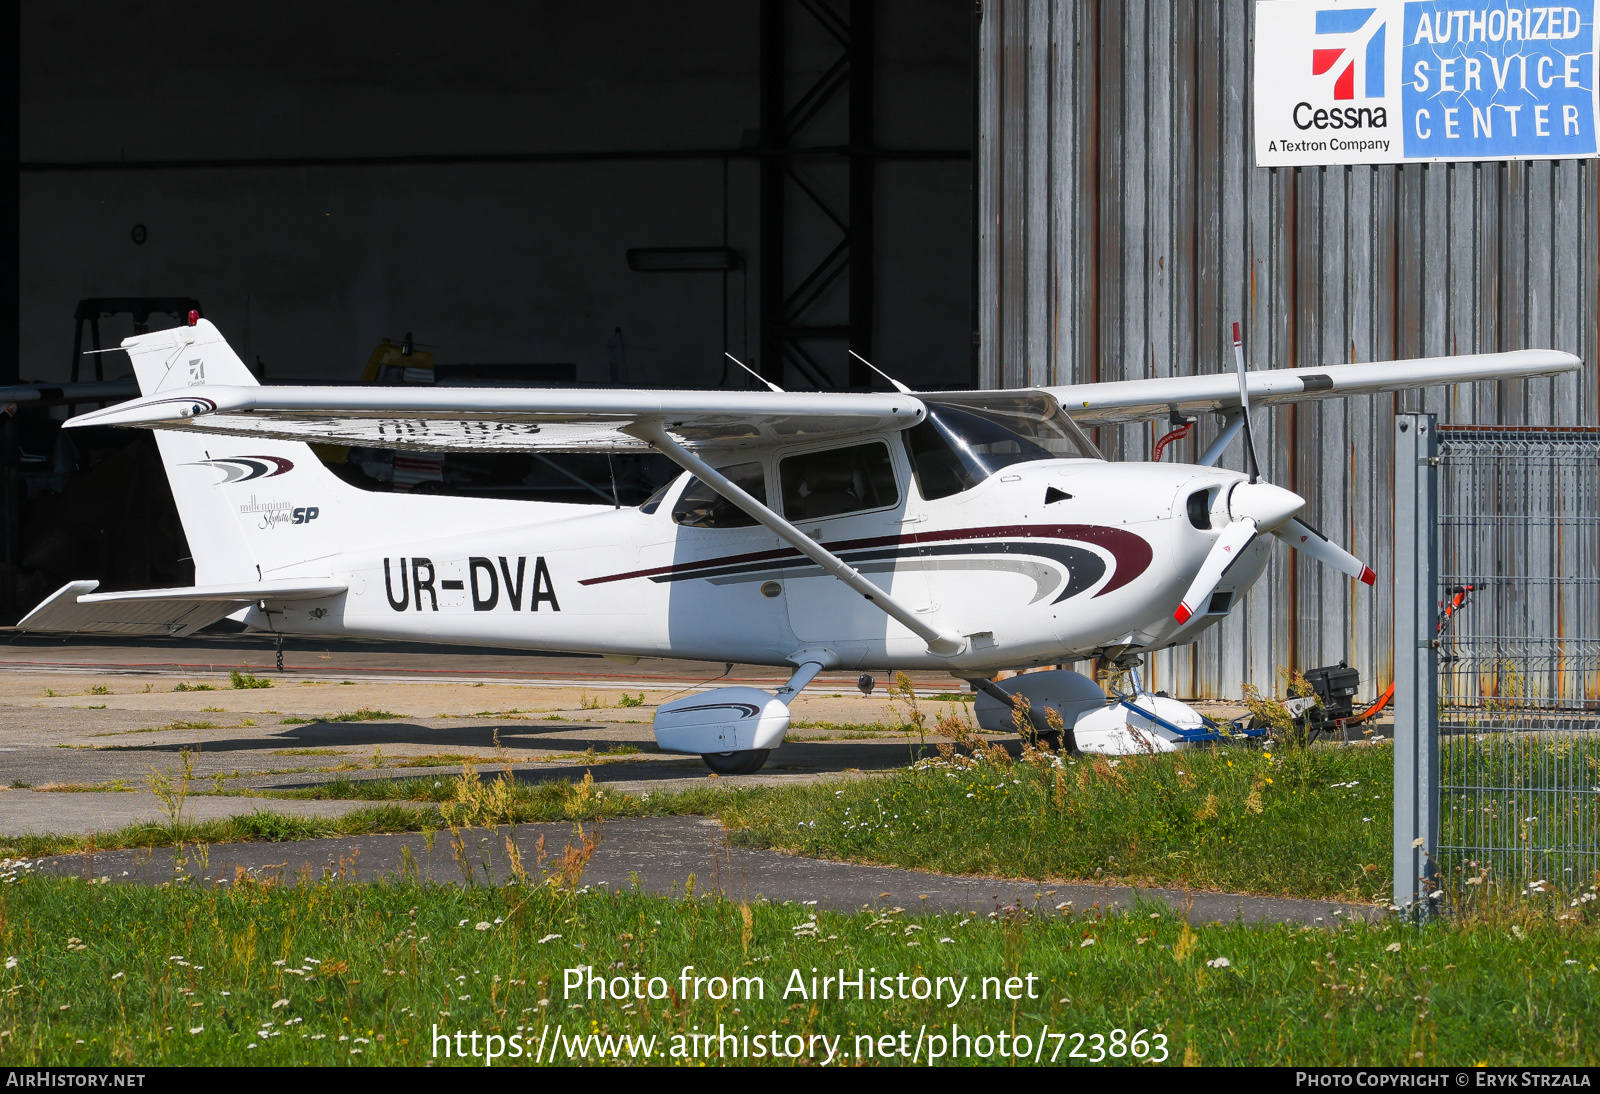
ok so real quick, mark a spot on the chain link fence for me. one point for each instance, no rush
(1518, 571)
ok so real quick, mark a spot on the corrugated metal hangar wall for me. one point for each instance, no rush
(1123, 228)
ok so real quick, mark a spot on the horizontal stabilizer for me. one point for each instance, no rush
(76, 608)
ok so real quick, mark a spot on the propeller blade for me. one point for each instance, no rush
(1225, 552)
(1244, 405)
(1303, 537)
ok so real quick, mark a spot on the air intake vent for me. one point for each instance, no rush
(1052, 495)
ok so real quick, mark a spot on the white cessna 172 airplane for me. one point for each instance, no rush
(969, 531)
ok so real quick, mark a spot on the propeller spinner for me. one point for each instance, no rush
(1256, 507)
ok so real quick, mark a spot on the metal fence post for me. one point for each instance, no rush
(1416, 680)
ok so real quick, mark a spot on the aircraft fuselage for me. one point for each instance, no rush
(1049, 561)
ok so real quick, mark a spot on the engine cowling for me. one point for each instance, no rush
(723, 720)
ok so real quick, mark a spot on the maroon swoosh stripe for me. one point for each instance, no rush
(1131, 552)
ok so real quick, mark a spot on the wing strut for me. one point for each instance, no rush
(945, 645)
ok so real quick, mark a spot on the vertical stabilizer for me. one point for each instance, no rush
(251, 509)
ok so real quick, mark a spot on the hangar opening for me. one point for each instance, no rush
(614, 194)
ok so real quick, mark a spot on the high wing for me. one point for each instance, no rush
(1135, 400)
(512, 419)
(433, 419)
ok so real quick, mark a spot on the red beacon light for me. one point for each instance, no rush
(194, 316)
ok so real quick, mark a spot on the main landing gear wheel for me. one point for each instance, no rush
(737, 763)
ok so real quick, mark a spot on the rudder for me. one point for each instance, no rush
(251, 508)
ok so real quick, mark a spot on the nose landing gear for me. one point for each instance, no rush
(746, 762)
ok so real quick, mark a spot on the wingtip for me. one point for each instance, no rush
(1183, 614)
(1368, 577)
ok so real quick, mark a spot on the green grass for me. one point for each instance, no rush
(328, 972)
(245, 680)
(360, 822)
(186, 686)
(1309, 823)
(1208, 819)
(364, 714)
(853, 729)
(1229, 819)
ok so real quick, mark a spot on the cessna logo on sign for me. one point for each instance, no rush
(1345, 23)
(1394, 81)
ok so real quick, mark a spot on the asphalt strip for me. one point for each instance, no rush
(659, 854)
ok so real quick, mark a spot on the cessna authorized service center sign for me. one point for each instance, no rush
(1398, 81)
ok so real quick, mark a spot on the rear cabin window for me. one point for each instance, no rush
(699, 506)
(838, 481)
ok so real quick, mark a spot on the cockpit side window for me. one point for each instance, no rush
(955, 449)
(699, 506)
(837, 481)
(937, 464)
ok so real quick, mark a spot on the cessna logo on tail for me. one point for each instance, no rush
(245, 468)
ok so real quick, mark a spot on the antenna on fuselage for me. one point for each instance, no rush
(898, 386)
(752, 372)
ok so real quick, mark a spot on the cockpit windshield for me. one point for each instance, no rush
(968, 437)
